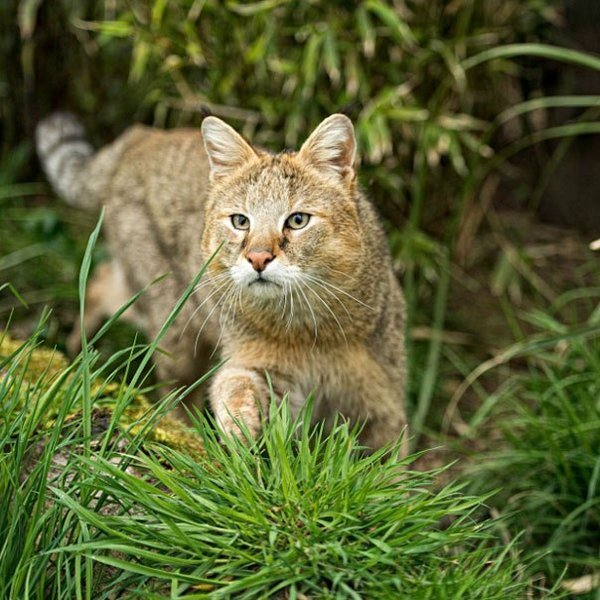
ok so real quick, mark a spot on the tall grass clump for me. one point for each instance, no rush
(546, 462)
(102, 496)
(53, 414)
(300, 513)
(94, 506)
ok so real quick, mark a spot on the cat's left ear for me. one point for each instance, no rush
(332, 147)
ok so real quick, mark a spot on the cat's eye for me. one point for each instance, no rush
(297, 220)
(240, 222)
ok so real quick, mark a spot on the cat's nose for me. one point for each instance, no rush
(259, 259)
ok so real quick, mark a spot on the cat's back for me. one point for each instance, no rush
(158, 189)
(157, 157)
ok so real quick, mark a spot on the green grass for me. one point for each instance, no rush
(298, 513)
(546, 462)
(90, 508)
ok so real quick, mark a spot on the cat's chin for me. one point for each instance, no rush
(263, 289)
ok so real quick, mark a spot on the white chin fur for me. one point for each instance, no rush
(265, 289)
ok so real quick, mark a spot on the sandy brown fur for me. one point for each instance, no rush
(169, 197)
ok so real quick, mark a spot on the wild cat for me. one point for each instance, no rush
(301, 295)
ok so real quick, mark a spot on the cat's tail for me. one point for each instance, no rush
(76, 173)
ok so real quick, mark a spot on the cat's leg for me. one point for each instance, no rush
(106, 292)
(181, 361)
(384, 429)
(377, 403)
(237, 395)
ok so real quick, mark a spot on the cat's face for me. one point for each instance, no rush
(287, 223)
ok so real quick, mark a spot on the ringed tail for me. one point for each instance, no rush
(77, 173)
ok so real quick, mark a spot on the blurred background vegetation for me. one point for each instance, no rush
(477, 124)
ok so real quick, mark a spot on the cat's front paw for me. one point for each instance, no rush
(239, 416)
(237, 396)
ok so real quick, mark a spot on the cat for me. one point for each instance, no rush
(300, 298)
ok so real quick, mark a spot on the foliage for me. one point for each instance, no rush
(276, 68)
(546, 462)
(431, 86)
(91, 506)
(443, 95)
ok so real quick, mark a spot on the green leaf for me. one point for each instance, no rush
(399, 28)
(567, 55)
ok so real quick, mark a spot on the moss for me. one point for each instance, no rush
(45, 366)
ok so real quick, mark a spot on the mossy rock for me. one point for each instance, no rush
(41, 368)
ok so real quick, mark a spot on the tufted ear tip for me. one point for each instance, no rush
(226, 149)
(332, 147)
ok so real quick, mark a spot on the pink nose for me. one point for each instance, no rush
(259, 259)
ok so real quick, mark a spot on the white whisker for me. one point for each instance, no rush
(309, 287)
(312, 314)
(199, 307)
(212, 278)
(210, 281)
(344, 275)
(322, 282)
(291, 318)
(286, 286)
(334, 296)
(217, 303)
(239, 298)
(231, 293)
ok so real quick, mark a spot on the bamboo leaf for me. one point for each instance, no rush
(27, 17)
(366, 30)
(566, 55)
(310, 63)
(331, 58)
(400, 30)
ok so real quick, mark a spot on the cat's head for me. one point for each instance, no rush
(287, 221)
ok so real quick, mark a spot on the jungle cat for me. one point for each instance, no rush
(302, 288)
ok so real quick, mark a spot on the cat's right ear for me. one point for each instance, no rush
(226, 149)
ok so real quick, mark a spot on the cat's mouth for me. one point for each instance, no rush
(264, 288)
(262, 282)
